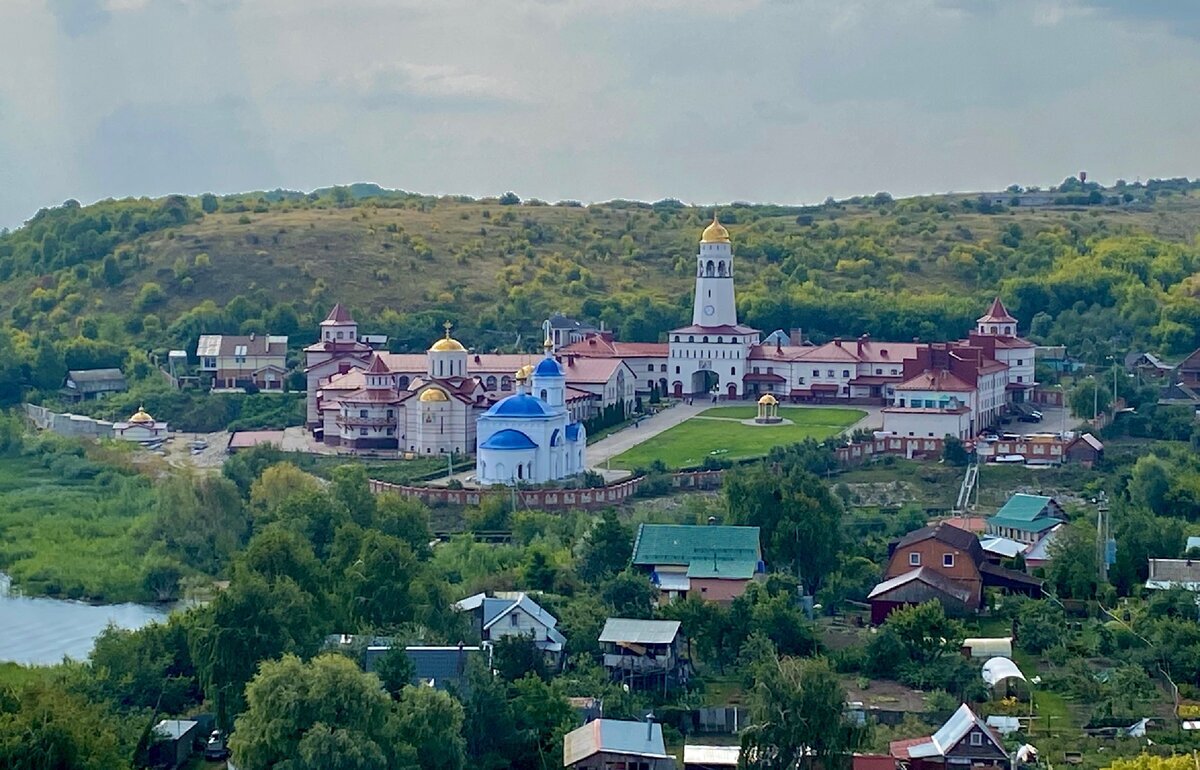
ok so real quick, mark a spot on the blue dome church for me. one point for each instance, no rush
(528, 438)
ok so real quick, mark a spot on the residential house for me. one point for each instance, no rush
(1148, 366)
(713, 562)
(644, 653)
(514, 614)
(174, 743)
(1026, 518)
(1166, 574)
(566, 331)
(964, 740)
(942, 563)
(443, 668)
(237, 362)
(1187, 371)
(614, 744)
(82, 384)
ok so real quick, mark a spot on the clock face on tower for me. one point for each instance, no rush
(709, 310)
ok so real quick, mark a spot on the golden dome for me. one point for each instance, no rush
(141, 416)
(768, 400)
(715, 233)
(447, 344)
(433, 394)
(525, 372)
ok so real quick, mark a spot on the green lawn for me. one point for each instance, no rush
(718, 433)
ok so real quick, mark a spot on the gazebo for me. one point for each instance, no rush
(768, 410)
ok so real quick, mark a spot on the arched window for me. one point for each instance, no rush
(506, 383)
(556, 437)
(520, 470)
(490, 382)
(543, 394)
(691, 338)
(677, 338)
(705, 338)
(402, 383)
(709, 268)
(733, 371)
(720, 340)
(721, 268)
(441, 368)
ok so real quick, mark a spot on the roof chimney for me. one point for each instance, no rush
(252, 336)
(837, 341)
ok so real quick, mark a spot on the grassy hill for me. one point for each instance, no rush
(94, 282)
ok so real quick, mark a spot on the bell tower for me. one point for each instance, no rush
(714, 303)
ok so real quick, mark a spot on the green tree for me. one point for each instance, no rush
(606, 548)
(251, 621)
(799, 520)
(954, 452)
(630, 594)
(798, 719)
(1088, 398)
(541, 716)
(432, 723)
(395, 669)
(209, 203)
(45, 725)
(315, 711)
(1150, 483)
(1073, 570)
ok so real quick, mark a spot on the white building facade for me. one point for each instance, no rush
(709, 358)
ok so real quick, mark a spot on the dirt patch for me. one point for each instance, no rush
(885, 694)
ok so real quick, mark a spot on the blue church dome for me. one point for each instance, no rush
(508, 439)
(548, 368)
(520, 405)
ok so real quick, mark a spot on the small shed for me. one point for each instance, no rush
(701, 757)
(1086, 450)
(175, 740)
(82, 384)
(988, 647)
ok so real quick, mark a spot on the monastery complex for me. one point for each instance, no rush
(522, 415)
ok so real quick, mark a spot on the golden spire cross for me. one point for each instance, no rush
(447, 326)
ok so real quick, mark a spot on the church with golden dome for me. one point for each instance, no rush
(431, 403)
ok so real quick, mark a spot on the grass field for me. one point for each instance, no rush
(65, 532)
(719, 433)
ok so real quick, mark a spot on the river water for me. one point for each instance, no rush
(40, 631)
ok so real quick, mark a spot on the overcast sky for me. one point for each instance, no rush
(764, 100)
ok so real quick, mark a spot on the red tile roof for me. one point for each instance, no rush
(378, 366)
(997, 313)
(339, 315)
(590, 370)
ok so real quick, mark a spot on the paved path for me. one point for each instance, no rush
(627, 438)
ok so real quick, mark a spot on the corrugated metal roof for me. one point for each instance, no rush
(1023, 507)
(175, 728)
(641, 739)
(708, 551)
(949, 734)
(639, 631)
(1002, 546)
(711, 756)
(672, 581)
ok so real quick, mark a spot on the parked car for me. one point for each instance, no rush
(1031, 417)
(215, 748)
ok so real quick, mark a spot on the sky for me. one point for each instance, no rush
(786, 101)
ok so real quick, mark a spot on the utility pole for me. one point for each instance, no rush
(1102, 535)
(1095, 398)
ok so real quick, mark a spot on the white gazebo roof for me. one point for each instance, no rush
(998, 669)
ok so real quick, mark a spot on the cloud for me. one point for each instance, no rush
(79, 17)
(159, 148)
(443, 87)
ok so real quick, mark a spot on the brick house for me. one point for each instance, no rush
(942, 563)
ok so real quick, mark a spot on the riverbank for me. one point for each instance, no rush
(39, 631)
(69, 518)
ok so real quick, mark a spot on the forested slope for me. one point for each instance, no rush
(104, 284)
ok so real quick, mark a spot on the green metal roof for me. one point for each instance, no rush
(1023, 507)
(1024, 525)
(707, 551)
